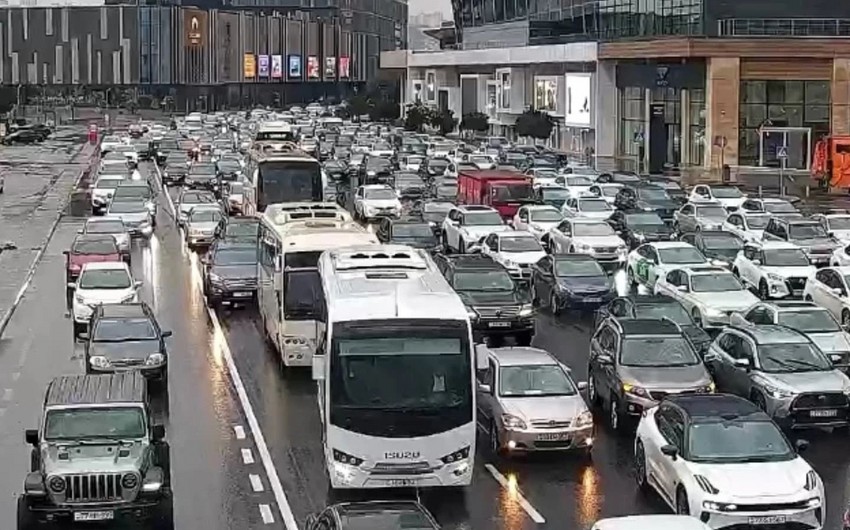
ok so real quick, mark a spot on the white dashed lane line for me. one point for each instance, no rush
(239, 431)
(266, 514)
(256, 483)
(247, 456)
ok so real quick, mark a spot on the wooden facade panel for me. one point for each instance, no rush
(801, 48)
(786, 70)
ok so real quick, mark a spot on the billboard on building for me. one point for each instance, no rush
(277, 66)
(344, 67)
(330, 68)
(249, 66)
(578, 100)
(294, 67)
(312, 67)
(195, 23)
(263, 64)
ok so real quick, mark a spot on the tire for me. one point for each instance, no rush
(26, 521)
(163, 518)
(845, 318)
(682, 505)
(495, 444)
(35, 460)
(445, 239)
(764, 292)
(759, 401)
(631, 280)
(535, 299)
(676, 228)
(592, 395)
(162, 453)
(614, 419)
(640, 466)
(697, 316)
(736, 272)
(554, 303)
(461, 246)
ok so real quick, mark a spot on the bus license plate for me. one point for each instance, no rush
(401, 482)
(830, 413)
(94, 516)
(553, 437)
(768, 519)
(499, 324)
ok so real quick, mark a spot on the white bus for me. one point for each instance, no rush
(280, 173)
(275, 131)
(289, 295)
(395, 367)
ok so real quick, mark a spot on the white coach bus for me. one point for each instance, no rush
(289, 295)
(395, 369)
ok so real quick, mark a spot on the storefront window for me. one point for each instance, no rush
(546, 94)
(696, 115)
(671, 98)
(633, 121)
(430, 86)
(780, 104)
(505, 82)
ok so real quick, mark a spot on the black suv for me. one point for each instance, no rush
(202, 176)
(646, 197)
(414, 231)
(126, 337)
(497, 306)
(637, 227)
(229, 273)
(719, 246)
(238, 230)
(656, 307)
(174, 173)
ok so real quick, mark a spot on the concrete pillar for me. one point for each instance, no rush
(840, 97)
(606, 116)
(722, 87)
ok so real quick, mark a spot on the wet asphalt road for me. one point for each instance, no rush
(212, 479)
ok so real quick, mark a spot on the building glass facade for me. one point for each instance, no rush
(632, 124)
(155, 45)
(696, 127)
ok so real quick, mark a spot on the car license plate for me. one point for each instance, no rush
(499, 324)
(94, 516)
(241, 295)
(768, 519)
(401, 482)
(592, 300)
(829, 413)
(553, 436)
(835, 358)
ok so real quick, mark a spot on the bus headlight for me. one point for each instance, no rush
(345, 458)
(457, 456)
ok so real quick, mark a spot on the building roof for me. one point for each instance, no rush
(70, 390)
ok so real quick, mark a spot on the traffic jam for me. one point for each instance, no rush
(457, 311)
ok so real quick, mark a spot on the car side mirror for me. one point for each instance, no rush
(137, 284)
(670, 450)
(837, 291)
(158, 432)
(68, 252)
(485, 389)
(682, 288)
(474, 249)
(166, 334)
(604, 359)
(582, 385)
(711, 357)
(756, 262)
(31, 436)
(742, 363)
(801, 445)
(84, 335)
(72, 285)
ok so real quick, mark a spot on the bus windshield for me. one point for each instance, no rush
(302, 286)
(289, 181)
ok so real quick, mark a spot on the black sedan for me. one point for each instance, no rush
(230, 273)
(720, 247)
(637, 227)
(570, 281)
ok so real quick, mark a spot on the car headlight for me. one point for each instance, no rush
(509, 264)
(56, 484)
(155, 359)
(196, 232)
(719, 263)
(811, 480)
(635, 391)
(79, 299)
(716, 313)
(513, 422)
(584, 419)
(778, 393)
(771, 277)
(129, 298)
(99, 361)
(583, 247)
(640, 237)
(526, 310)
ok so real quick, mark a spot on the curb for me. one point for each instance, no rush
(7, 316)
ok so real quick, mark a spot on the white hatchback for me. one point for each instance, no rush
(106, 282)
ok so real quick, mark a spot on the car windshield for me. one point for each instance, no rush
(380, 195)
(713, 212)
(105, 279)
(108, 184)
(114, 423)
(726, 192)
(715, 283)
(662, 352)
(545, 173)
(610, 191)
(792, 357)
(123, 329)
(519, 244)
(592, 230)
(594, 205)
(438, 164)
(757, 222)
(197, 198)
(104, 227)
(482, 219)
(546, 216)
(653, 194)
(578, 181)
(555, 194)
(127, 207)
(806, 230)
(412, 230)
(644, 219)
(839, 223)
(722, 242)
(205, 216)
(498, 280)
(235, 256)
(680, 256)
(785, 257)
(779, 207)
(229, 166)
(415, 160)
(481, 160)
(672, 310)
(567, 268)
(534, 380)
(437, 207)
(737, 441)
(809, 321)
(101, 245)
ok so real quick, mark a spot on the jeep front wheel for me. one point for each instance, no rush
(26, 521)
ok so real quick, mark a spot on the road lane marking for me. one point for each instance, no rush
(239, 431)
(247, 456)
(514, 490)
(7, 394)
(254, 425)
(266, 514)
(256, 483)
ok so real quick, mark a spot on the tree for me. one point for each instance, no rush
(384, 110)
(535, 124)
(475, 121)
(417, 117)
(359, 105)
(444, 121)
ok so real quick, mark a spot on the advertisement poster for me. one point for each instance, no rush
(578, 101)
(344, 67)
(330, 68)
(295, 67)
(277, 66)
(249, 66)
(313, 67)
(196, 26)
(263, 62)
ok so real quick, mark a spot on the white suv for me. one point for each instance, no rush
(105, 282)
(776, 269)
(465, 226)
